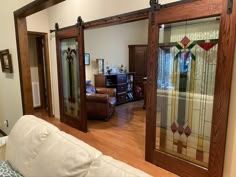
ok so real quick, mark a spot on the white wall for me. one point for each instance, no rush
(111, 44)
(33, 59)
(10, 95)
(38, 22)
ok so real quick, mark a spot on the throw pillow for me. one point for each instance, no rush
(7, 171)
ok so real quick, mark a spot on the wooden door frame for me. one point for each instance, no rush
(205, 8)
(73, 32)
(47, 64)
(22, 40)
(23, 48)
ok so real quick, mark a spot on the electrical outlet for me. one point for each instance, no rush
(5, 122)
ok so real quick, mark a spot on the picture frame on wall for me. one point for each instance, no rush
(87, 59)
(100, 66)
(6, 61)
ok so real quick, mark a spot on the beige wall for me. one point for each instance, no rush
(39, 22)
(10, 98)
(10, 95)
(66, 14)
(111, 44)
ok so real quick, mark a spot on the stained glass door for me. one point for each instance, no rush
(71, 77)
(185, 88)
(182, 76)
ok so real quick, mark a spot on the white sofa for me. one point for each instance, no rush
(36, 148)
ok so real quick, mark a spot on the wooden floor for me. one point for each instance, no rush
(122, 137)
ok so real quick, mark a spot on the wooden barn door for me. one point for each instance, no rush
(190, 54)
(71, 77)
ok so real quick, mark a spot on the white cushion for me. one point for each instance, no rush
(25, 140)
(36, 148)
(63, 155)
(106, 166)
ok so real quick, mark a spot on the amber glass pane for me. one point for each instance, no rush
(185, 88)
(70, 77)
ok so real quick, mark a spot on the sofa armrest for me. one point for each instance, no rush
(3, 141)
(102, 98)
(110, 91)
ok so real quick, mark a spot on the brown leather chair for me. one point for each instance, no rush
(101, 105)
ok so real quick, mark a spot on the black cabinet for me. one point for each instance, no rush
(138, 65)
(122, 82)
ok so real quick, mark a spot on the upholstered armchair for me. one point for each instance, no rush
(100, 102)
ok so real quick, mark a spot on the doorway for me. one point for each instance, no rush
(119, 45)
(39, 72)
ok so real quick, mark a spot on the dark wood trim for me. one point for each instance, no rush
(176, 165)
(24, 64)
(189, 11)
(151, 87)
(114, 20)
(36, 33)
(194, 10)
(48, 75)
(59, 78)
(118, 19)
(23, 50)
(35, 6)
(224, 73)
(63, 34)
(68, 33)
(73, 32)
(83, 115)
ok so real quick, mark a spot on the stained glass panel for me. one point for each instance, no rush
(70, 77)
(185, 88)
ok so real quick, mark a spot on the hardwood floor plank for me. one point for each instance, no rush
(122, 137)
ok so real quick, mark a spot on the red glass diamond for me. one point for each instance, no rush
(174, 127)
(181, 130)
(187, 131)
(185, 41)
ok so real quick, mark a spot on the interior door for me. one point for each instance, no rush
(184, 77)
(71, 77)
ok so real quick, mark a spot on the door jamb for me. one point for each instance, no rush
(47, 64)
(23, 50)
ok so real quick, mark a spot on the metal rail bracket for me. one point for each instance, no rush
(230, 6)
